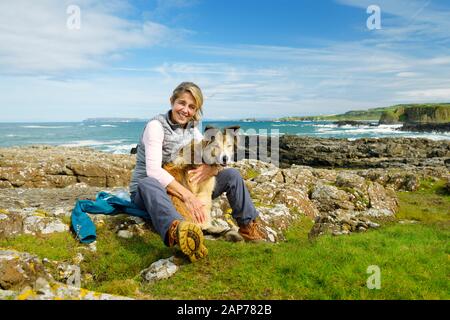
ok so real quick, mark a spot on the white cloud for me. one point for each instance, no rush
(441, 94)
(407, 74)
(260, 80)
(35, 37)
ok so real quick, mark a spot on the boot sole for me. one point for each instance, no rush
(190, 240)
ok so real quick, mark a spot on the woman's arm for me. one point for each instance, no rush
(204, 172)
(153, 140)
(194, 205)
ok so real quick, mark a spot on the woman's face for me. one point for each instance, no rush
(183, 108)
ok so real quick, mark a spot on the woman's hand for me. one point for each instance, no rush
(202, 173)
(196, 208)
(194, 205)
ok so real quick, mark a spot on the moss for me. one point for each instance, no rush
(26, 294)
(127, 287)
(41, 213)
(250, 174)
(296, 211)
(258, 203)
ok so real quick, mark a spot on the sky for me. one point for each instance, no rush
(71, 60)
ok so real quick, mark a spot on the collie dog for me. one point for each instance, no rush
(216, 149)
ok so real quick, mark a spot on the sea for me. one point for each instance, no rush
(120, 137)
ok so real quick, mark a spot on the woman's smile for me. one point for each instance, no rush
(183, 108)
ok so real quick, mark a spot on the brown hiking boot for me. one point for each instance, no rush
(189, 237)
(252, 232)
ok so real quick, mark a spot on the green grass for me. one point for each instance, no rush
(430, 203)
(413, 259)
(58, 246)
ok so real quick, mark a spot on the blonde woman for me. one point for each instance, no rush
(162, 137)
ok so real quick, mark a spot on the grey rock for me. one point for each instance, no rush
(161, 269)
(44, 225)
(125, 234)
(233, 236)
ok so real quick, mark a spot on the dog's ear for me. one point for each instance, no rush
(209, 127)
(210, 133)
(234, 129)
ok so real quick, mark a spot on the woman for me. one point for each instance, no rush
(163, 136)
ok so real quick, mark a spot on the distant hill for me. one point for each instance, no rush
(112, 119)
(376, 113)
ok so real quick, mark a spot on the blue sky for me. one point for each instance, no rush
(252, 58)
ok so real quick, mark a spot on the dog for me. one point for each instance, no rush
(216, 149)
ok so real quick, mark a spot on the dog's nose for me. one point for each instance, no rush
(225, 159)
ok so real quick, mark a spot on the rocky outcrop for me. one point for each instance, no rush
(29, 221)
(24, 276)
(405, 153)
(59, 167)
(354, 123)
(50, 167)
(281, 194)
(426, 127)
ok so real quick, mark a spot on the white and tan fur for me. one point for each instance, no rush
(216, 149)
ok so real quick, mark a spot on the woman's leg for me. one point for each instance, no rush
(230, 181)
(152, 197)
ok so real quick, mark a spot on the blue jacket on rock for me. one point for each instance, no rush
(105, 203)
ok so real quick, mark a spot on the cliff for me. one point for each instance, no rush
(433, 113)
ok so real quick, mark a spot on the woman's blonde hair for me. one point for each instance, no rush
(193, 89)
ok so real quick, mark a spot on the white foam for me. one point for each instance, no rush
(45, 127)
(432, 136)
(121, 149)
(108, 125)
(285, 125)
(325, 131)
(91, 143)
(379, 131)
(325, 125)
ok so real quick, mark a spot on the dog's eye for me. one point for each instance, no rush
(213, 138)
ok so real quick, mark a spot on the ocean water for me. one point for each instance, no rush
(120, 137)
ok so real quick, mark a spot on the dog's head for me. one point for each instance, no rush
(219, 145)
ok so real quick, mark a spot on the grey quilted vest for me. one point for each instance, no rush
(175, 137)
